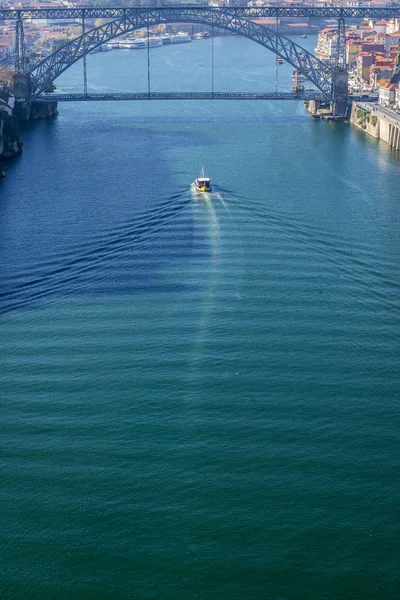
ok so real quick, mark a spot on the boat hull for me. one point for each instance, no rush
(201, 189)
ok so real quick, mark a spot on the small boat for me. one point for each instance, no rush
(202, 183)
(302, 37)
(279, 60)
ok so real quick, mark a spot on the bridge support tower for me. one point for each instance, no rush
(21, 93)
(20, 78)
(19, 49)
(341, 44)
(340, 84)
(340, 89)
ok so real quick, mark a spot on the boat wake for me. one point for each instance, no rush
(78, 269)
(206, 216)
(218, 196)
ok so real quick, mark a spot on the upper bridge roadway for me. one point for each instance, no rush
(332, 12)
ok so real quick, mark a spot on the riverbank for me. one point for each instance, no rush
(37, 110)
(10, 137)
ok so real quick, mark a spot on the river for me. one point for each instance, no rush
(199, 396)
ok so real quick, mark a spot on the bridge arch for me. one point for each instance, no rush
(48, 69)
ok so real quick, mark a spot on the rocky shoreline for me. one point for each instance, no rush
(10, 137)
(10, 140)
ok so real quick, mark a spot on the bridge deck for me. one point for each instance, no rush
(313, 11)
(178, 96)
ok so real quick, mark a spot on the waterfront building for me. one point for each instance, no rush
(378, 50)
(387, 92)
(6, 43)
(288, 28)
(397, 97)
(6, 51)
(378, 26)
(368, 35)
(353, 49)
(393, 26)
(365, 60)
(382, 70)
(380, 38)
(218, 3)
(392, 39)
(327, 43)
(363, 28)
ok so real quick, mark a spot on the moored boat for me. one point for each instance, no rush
(138, 44)
(180, 38)
(142, 43)
(202, 183)
(154, 42)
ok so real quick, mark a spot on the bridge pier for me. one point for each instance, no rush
(21, 92)
(340, 90)
(314, 106)
(21, 86)
(24, 110)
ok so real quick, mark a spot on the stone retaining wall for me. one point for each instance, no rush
(375, 123)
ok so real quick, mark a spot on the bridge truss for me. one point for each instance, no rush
(313, 69)
(264, 12)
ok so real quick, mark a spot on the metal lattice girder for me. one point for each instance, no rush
(331, 12)
(313, 69)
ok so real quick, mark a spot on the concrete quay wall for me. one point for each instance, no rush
(373, 120)
(390, 133)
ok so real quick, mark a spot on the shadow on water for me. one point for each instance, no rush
(122, 261)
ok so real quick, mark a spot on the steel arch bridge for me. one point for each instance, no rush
(313, 69)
